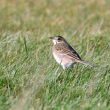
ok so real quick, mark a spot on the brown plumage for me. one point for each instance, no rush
(64, 54)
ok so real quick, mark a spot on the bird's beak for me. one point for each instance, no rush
(50, 37)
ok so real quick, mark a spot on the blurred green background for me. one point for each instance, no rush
(30, 79)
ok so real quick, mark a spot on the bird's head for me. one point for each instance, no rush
(57, 39)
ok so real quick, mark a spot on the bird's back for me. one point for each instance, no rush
(64, 50)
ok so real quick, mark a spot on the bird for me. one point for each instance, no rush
(64, 54)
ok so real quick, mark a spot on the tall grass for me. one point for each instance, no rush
(30, 79)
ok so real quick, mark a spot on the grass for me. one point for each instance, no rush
(30, 79)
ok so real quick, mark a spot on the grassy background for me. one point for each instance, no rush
(30, 79)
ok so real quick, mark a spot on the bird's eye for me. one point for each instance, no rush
(59, 39)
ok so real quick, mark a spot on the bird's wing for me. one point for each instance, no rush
(68, 51)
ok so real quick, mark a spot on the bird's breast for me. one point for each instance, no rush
(57, 57)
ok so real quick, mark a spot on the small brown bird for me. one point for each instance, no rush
(64, 54)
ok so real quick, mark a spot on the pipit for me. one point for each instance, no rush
(64, 54)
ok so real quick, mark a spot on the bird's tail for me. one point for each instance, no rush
(85, 63)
